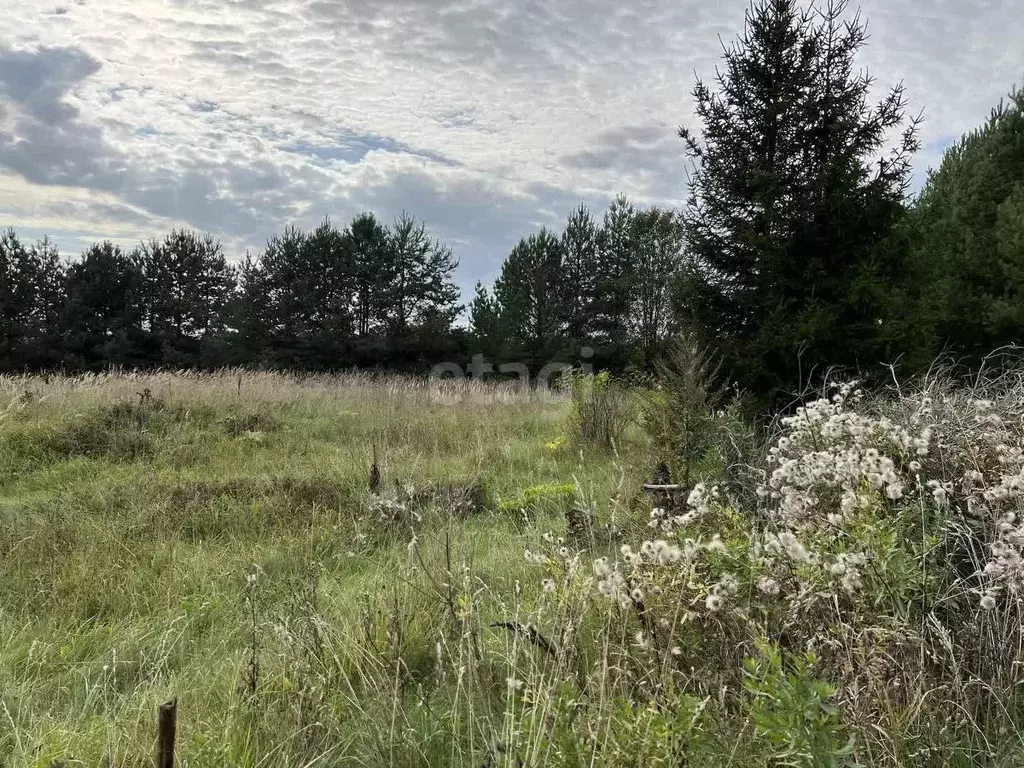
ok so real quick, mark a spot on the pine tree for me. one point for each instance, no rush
(373, 269)
(102, 315)
(186, 288)
(298, 299)
(658, 257)
(31, 300)
(792, 197)
(325, 287)
(485, 322)
(579, 273)
(968, 241)
(616, 273)
(527, 296)
(47, 287)
(422, 288)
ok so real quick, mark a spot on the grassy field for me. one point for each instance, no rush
(843, 590)
(211, 538)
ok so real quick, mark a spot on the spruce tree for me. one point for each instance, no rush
(793, 196)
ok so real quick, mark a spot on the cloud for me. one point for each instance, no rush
(485, 118)
(42, 135)
(40, 79)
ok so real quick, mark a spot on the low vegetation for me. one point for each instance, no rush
(840, 589)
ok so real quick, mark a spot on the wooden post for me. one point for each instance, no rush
(167, 717)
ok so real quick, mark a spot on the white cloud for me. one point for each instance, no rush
(486, 119)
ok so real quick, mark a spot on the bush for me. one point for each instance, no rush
(885, 550)
(791, 710)
(120, 432)
(602, 409)
(679, 412)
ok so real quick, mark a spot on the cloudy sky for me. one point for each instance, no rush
(121, 119)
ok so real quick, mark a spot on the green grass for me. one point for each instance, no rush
(508, 596)
(130, 524)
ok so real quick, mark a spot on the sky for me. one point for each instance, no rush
(122, 119)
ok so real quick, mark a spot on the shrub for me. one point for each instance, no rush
(886, 546)
(679, 412)
(602, 409)
(791, 710)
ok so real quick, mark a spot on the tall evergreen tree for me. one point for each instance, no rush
(968, 240)
(485, 322)
(578, 282)
(47, 286)
(422, 290)
(792, 196)
(373, 270)
(186, 288)
(527, 295)
(327, 273)
(31, 298)
(658, 257)
(298, 298)
(616, 274)
(102, 315)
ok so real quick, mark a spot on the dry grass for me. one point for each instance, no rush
(213, 537)
(134, 506)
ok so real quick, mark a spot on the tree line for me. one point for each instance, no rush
(599, 287)
(800, 249)
(368, 294)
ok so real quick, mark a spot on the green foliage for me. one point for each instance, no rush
(102, 315)
(679, 412)
(602, 409)
(325, 299)
(670, 732)
(421, 289)
(579, 275)
(539, 495)
(603, 285)
(792, 712)
(330, 297)
(526, 294)
(657, 261)
(485, 322)
(967, 242)
(185, 287)
(31, 287)
(616, 274)
(789, 207)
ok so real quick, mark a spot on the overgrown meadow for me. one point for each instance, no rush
(357, 570)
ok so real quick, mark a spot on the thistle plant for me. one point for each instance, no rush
(886, 540)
